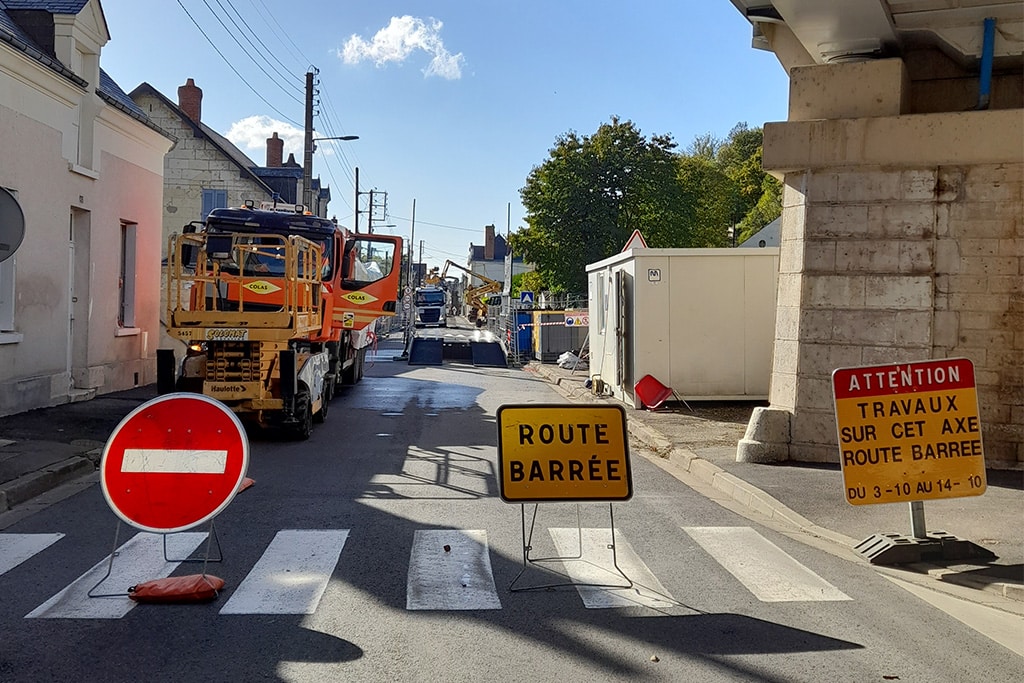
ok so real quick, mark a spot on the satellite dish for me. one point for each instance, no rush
(12, 225)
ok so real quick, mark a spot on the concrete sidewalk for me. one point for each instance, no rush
(702, 443)
(42, 449)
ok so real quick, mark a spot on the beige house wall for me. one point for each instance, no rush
(902, 239)
(72, 159)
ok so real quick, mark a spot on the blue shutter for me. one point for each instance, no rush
(214, 199)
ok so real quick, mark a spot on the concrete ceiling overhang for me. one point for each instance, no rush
(844, 30)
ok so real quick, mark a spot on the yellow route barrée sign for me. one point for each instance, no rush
(557, 452)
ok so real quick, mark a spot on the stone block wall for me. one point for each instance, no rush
(195, 164)
(882, 265)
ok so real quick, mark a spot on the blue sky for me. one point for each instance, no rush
(453, 101)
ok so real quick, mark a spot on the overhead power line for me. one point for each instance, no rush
(233, 69)
(249, 52)
(265, 52)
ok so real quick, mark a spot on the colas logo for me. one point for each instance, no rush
(359, 298)
(261, 287)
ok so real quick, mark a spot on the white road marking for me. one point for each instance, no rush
(140, 559)
(164, 461)
(292, 574)
(764, 568)
(596, 566)
(16, 548)
(450, 569)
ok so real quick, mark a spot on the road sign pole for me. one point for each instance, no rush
(917, 525)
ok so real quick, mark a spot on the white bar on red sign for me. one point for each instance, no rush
(164, 461)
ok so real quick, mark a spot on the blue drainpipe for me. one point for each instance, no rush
(987, 50)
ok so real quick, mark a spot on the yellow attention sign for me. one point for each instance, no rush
(909, 431)
(359, 298)
(557, 452)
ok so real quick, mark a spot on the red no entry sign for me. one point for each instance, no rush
(174, 463)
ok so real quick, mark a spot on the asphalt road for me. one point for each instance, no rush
(385, 554)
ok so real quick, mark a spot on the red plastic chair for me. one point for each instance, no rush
(651, 392)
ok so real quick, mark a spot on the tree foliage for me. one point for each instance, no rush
(584, 201)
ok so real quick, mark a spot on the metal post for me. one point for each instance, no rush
(307, 159)
(917, 524)
(356, 219)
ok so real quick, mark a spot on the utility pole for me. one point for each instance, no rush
(409, 299)
(412, 241)
(357, 201)
(307, 156)
(369, 217)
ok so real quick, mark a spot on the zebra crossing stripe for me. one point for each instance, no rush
(764, 568)
(596, 566)
(16, 548)
(291, 575)
(450, 569)
(138, 560)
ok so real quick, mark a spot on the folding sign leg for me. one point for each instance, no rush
(110, 567)
(538, 562)
(211, 539)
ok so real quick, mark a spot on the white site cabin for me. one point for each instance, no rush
(701, 321)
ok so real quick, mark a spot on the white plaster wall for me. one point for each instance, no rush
(705, 328)
(39, 118)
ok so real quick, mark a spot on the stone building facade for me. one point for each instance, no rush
(203, 170)
(902, 238)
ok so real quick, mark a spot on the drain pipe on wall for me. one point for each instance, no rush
(987, 50)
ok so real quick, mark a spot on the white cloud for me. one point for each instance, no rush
(399, 39)
(250, 134)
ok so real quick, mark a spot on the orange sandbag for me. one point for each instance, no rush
(192, 588)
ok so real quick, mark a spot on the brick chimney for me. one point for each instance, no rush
(489, 243)
(190, 100)
(275, 151)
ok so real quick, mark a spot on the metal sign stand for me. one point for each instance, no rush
(920, 546)
(211, 538)
(536, 561)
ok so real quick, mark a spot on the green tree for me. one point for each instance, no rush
(588, 196)
(532, 282)
(585, 200)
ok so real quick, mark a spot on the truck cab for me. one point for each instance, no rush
(432, 305)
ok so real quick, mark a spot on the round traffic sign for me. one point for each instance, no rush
(174, 462)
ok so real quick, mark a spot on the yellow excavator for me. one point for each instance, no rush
(476, 296)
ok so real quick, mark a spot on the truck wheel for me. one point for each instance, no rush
(304, 415)
(325, 399)
(360, 364)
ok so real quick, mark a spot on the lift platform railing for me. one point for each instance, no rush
(250, 286)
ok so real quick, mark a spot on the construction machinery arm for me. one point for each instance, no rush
(484, 279)
(475, 296)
